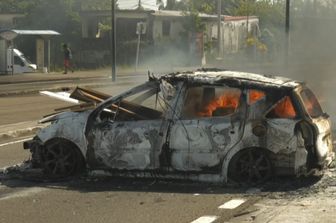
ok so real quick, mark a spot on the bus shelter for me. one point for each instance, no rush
(42, 36)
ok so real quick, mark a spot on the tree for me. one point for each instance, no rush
(15, 6)
(95, 4)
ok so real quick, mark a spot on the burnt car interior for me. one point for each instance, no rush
(209, 101)
(149, 104)
(146, 105)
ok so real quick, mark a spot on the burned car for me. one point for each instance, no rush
(207, 125)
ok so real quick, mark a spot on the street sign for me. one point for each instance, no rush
(141, 28)
(8, 35)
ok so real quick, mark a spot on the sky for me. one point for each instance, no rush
(132, 4)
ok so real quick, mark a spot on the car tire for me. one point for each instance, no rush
(61, 159)
(250, 166)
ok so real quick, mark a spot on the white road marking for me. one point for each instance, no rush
(22, 193)
(232, 204)
(205, 219)
(14, 142)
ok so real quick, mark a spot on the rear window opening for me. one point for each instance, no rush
(311, 103)
(283, 109)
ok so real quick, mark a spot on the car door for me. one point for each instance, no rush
(210, 123)
(281, 121)
(123, 133)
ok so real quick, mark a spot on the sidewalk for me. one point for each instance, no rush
(20, 129)
(57, 76)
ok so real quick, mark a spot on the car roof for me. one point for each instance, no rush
(233, 78)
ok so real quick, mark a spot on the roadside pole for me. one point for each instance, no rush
(141, 29)
(48, 56)
(287, 30)
(137, 52)
(219, 26)
(113, 41)
(12, 57)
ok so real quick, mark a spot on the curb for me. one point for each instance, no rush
(12, 131)
(63, 88)
(19, 133)
(65, 78)
(49, 80)
(36, 91)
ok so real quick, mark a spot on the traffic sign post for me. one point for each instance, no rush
(140, 30)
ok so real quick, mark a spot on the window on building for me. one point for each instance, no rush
(166, 28)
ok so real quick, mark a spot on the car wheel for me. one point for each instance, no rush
(61, 159)
(251, 166)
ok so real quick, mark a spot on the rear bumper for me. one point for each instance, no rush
(330, 158)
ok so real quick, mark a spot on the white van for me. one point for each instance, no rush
(17, 63)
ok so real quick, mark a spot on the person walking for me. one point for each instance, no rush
(67, 59)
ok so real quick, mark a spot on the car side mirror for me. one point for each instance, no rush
(22, 64)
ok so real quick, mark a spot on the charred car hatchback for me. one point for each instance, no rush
(205, 125)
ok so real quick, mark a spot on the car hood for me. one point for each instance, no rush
(33, 66)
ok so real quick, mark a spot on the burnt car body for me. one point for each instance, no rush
(204, 125)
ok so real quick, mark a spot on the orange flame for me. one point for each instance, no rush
(229, 101)
(285, 109)
(255, 95)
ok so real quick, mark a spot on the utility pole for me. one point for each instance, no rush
(113, 40)
(219, 36)
(287, 29)
(247, 18)
(287, 16)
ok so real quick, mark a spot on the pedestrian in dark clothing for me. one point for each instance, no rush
(67, 59)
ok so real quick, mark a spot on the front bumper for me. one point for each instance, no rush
(36, 147)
